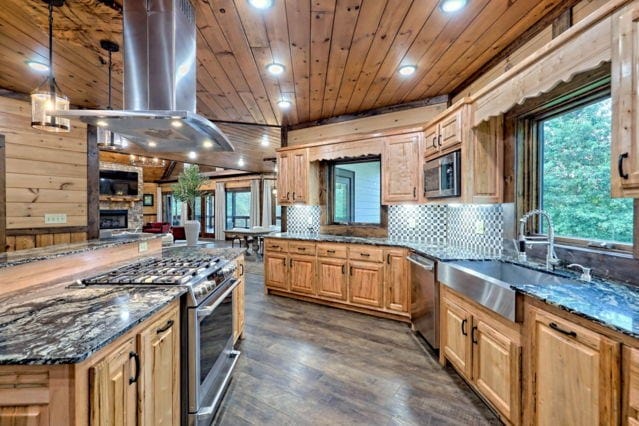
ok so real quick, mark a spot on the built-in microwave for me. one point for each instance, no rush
(442, 176)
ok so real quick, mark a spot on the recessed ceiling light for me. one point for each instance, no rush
(207, 144)
(275, 68)
(264, 141)
(240, 162)
(451, 6)
(284, 103)
(38, 66)
(407, 70)
(192, 155)
(176, 123)
(101, 123)
(152, 144)
(261, 4)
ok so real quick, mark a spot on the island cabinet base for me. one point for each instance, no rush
(133, 380)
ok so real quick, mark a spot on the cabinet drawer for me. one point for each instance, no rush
(367, 253)
(301, 248)
(276, 245)
(338, 251)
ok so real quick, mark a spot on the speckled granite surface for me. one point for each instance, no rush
(613, 305)
(443, 253)
(59, 325)
(33, 255)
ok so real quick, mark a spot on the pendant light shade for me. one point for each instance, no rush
(106, 138)
(48, 97)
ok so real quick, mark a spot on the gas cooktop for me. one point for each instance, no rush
(201, 274)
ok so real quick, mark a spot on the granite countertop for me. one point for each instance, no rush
(60, 325)
(45, 253)
(436, 252)
(66, 325)
(613, 305)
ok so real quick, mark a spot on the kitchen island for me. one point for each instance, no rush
(73, 354)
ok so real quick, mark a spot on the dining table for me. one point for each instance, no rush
(256, 232)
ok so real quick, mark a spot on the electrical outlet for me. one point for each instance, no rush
(479, 227)
(55, 218)
(143, 246)
(412, 223)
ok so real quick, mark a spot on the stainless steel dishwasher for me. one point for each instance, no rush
(424, 298)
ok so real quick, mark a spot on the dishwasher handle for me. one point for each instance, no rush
(423, 263)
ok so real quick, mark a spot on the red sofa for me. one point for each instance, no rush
(178, 233)
(157, 227)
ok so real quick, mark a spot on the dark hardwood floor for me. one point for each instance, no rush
(308, 364)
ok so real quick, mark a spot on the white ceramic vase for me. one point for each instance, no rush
(192, 231)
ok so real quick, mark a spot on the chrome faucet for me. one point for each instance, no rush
(551, 257)
(585, 272)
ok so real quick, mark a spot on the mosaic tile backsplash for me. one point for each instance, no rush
(451, 225)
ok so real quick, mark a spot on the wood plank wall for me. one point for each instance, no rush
(44, 173)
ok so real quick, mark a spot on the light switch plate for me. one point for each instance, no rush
(55, 218)
(143, 246)
(479, 227)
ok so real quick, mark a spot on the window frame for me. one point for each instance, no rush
(530, 126)
(331, 193)
(232, 192)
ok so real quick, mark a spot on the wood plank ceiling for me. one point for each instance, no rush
(340, 56)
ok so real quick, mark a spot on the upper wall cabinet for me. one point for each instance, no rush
(625, 113)
(400, 168)
(446, 133)
(485, 185)
(297, 179)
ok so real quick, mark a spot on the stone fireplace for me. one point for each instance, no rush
(129, 206)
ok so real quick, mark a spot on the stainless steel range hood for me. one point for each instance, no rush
(159, 82)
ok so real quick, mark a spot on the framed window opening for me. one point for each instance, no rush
(566, 170)
(238, 208)
(355, 193)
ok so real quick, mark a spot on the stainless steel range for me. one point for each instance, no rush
(207, 323)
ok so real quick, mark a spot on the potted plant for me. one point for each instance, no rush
(187, 189)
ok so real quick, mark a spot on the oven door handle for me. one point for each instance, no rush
(205, 312)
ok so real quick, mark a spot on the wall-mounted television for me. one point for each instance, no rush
(114, 182)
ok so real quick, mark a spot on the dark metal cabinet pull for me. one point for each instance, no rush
(554, 326)
(435, 142)
(343, 269)
(274, 247)
(414, 191)
(241, 269)
(168, 325)
(293, 195)
(365, 254)
(463, 327)
(388, 258)
(301, 248)
(330, 251)
(290, 263)
(351, 271)
(136, 358)
(472, 335)
(620, 166)
(439, 140)
(284, 261)
(287, 195)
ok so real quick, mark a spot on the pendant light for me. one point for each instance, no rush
(106, 138)
(48, 97)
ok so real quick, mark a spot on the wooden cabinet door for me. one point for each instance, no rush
(276, 270)
(159, 385)
(365, 283)
(455, 339)
(396, 284)
(497, 369)
(631, 385)
(332, 278)
(302, 274)
(451, 130)
(431, 136)
(487, 156)
(298, 181)
(24, 415)
(625, 106)
(400, 168)
(113, 392)
(576, 373)
(283, 172)
(238, 310)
